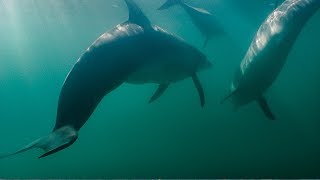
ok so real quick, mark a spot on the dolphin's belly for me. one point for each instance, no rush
(159, 73)
(269, 49)
(262, 71)
(171, 60)
(264, 60)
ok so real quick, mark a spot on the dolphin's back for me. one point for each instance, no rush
(102, 68)
(268, 52)
(274, 40)
(105, 65)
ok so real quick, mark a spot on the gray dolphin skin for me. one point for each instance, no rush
(133, 52)
(268, 52)
(201, 18)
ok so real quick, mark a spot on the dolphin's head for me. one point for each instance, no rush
(197, 60)
(203, 62)
(190, 60)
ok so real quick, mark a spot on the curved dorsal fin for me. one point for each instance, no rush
(136, 15)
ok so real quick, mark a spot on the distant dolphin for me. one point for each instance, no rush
(268, 52)
(133, 51)
(204, 20)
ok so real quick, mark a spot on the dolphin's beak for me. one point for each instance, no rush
(205, 65)
(208, 64)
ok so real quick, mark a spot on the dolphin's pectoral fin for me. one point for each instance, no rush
(228, 97)
(199, 87)
(265, 107)
(54, 142)
(161, 89)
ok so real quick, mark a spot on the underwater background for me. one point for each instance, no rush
(174, 137)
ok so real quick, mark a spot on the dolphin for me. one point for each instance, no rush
(134, 52)
(201, 18)
(268, 52)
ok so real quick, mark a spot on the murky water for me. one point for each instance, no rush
(174, 137)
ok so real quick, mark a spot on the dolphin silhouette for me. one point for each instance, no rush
(201, 18)
(134, 52)
(268, 52)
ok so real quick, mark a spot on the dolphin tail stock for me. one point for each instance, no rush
(57, 140)
(170, 3)
(266, 108)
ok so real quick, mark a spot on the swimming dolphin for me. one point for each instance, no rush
(201, 18)
(133, 51)
(268, 52)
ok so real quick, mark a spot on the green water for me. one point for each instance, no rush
(126, 137)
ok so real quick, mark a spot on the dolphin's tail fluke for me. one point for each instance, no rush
(169, 3)
(59, 139)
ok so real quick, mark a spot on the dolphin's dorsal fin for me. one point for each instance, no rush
(136, 15)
